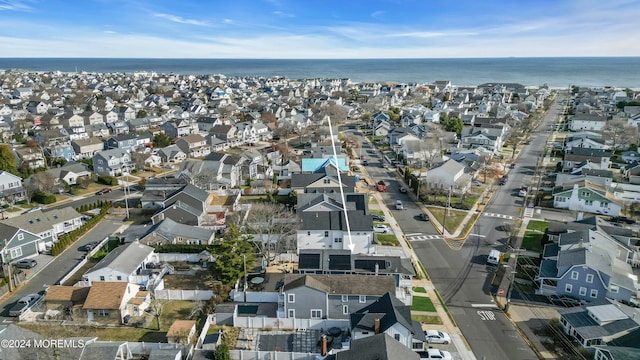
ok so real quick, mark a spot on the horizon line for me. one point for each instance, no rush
(379, 58)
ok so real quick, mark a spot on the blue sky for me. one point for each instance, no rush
(318, 29)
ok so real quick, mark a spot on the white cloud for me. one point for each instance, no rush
(377, 14)
(282, 14)
(13, 5)
(227, 21)
(431, 34)
(109, 32)
(181, 20)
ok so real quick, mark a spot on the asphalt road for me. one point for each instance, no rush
(458, 270)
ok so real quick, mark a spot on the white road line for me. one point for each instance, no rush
(490, 305)
(412, 234)
(478, 235)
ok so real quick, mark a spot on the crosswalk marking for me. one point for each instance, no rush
(490, 305)
(420, 237)
(509, 217)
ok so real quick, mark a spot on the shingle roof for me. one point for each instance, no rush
(376, 347)
(388, 309)
(105, 295)
(39, 221)
(179, 327)
(75, 294)
(342, 284)
(125, 258)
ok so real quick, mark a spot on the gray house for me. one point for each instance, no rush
(589, 265)
(330, 296)
(122, 141)
(18, 244)
(171, 232)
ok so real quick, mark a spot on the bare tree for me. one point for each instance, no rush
(619, 134)
(44, 182)
(274, 226)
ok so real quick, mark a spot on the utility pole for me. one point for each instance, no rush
(244, 286)
(126, 198)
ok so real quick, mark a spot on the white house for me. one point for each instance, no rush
(591, 122)
(448, 176)
(586, 196)
(123, 264)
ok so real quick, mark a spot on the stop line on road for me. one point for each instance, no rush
(421, 237)
(509, 217)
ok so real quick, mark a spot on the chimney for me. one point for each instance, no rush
(376, 326)
(323, 351)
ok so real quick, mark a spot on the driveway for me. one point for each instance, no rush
(59, 266)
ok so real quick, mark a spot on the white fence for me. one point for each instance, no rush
(146, 347)
(255, 297)
(190, 295)
(287, 323)
(269, 355)
(175, 257)
(83, 262)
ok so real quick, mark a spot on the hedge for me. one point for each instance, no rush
(182, 248)
(107, 180)
(69, 238)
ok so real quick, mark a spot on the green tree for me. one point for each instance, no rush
(230, 256)
(452, 124)
(222, 351)
(141, 114)
(161, 140)
(394, 114)
(7, 160)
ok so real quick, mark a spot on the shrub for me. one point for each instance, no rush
(42, 198)
(107, 180)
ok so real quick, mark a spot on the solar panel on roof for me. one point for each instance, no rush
(370, 264)
(309, 261)
(340, 262)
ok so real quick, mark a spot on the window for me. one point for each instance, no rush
(362, 298)
(326, 234)
(344, 298)
(614, 288)
(583, 291)
(21, 236)
(16, 253)
(588, 202)
(308, 233)
(568, 288)
(316, 313)
(119, 278)
(337, 240)
(417, 346)
(101, 278)
(585, 194)
(291, 298)
(397, 337)
(574, 275)
(345, 309)
(103, 312)
(291, 313)
(594, 293)
(590, 278)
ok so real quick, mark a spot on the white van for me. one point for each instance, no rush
(494, 257)
(399, 205)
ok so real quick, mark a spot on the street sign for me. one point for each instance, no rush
(500, 292)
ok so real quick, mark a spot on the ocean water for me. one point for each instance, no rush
(620, 72)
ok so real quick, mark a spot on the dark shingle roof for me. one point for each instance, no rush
(388, 309)
(376, 347)
(342, 284)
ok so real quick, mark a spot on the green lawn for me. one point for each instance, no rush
(453, 219)
(387, 239)
(372, 200)
(420, 289)
(421, 303)
(427, 319)
(377, 212)
(533, 236)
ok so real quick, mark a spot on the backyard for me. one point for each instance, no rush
(533, 235)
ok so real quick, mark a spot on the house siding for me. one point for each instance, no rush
(306, 299)
(581, 282)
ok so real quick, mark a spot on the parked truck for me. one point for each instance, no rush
(381, 186)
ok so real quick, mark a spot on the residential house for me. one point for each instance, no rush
(593, 122)
(585, 196)
(122, 141)
(87, 148)
(177, 128)
(157, 189)
(125, 113)
(599, 324)
(18, 244)
(63, 298)
(72, 121)
(64, 151)
(168, 231)
(37, 107)
(94, 118)
(123, 264)
(630, 156)
(194, 145)
(47, 225)
(118, 127)
(205, 124)
(322, 183)
(330, 296)
(186, 206)
(227, 133)
(181, 332)
(138, 125)
(30, 158)
(577, 155)
(51, 137)
(379, 347)
(323, 224)
(448, 176)
(97, 130)
(325, 164)
(113, 162)
(11, 189)
(110, 116)
(109, 302)
(588, 264)
(616, 352)
(587, 142)
(172, 154)
(69, 173)
(390, 316)
(381, 128)
(491, 138)
(330, 261)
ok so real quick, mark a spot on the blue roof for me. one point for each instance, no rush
(315, 164)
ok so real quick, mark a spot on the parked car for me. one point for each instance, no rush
(424, 217)
(624, 219)
(26, 264)
(381, 228)
(365, 163)
(399, 205)
(435, 354)
(104, 191)
(564, 300)
(403, 190)
(89, 246)
(437, 337)
(32, 210)
(377, 217)
(24, 304)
